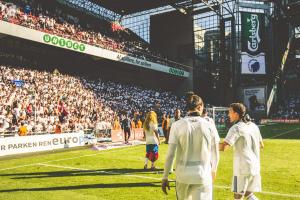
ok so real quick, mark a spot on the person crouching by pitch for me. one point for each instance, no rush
(152, 139)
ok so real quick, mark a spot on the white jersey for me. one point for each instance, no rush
(195, 139)
(150, 134)
(209, 119)
(172, 120)
(245, 138)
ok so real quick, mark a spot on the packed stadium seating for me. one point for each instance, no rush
(34, 16)
(43, 101)
(47, 101)
(290, 109)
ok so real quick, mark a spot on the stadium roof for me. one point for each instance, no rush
(125, 7)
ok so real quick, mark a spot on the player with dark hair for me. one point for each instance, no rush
(245, 136)
(195, 141)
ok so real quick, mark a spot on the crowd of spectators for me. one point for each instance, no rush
(289, 109)
(124, 97)
(49, 102)
(35, 102)
(67, 26)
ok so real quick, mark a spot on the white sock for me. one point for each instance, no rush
(146, 161)
(251, 197)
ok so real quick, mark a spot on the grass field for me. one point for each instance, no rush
(117, 173)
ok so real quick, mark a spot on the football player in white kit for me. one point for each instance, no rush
(246, 139)
(195, 141)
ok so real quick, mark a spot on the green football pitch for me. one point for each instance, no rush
(116, 174)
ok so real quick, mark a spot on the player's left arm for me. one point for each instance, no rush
(231, 137)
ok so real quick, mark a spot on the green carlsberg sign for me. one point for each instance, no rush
(252, 33)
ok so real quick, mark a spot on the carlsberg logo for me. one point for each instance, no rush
(61, 42)
(254, 39)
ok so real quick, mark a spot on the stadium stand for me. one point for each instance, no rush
(43, 101)
(289, 109)
(104, 34)
(53, 103)
(132, 98)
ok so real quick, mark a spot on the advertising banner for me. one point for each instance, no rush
(253, 64)
(36, 143)
(118, 135)
(252, 44)
(255, 99)
(138, 134)
(53, 40)
(284, 121)
(253, 25)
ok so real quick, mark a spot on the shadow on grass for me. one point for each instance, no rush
(90, 186)
(75, 173)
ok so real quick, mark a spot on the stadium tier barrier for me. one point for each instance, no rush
(284, 121)
(5, 134)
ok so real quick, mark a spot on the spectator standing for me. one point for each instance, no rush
(126, 126)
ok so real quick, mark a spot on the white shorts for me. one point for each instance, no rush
(241, 184)
(193, 192)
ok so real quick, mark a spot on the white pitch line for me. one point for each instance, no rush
(19, 166)
(154, 178)
(71, 158)
(284, 133)
(64, 167)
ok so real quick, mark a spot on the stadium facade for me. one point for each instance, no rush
(199, 45)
